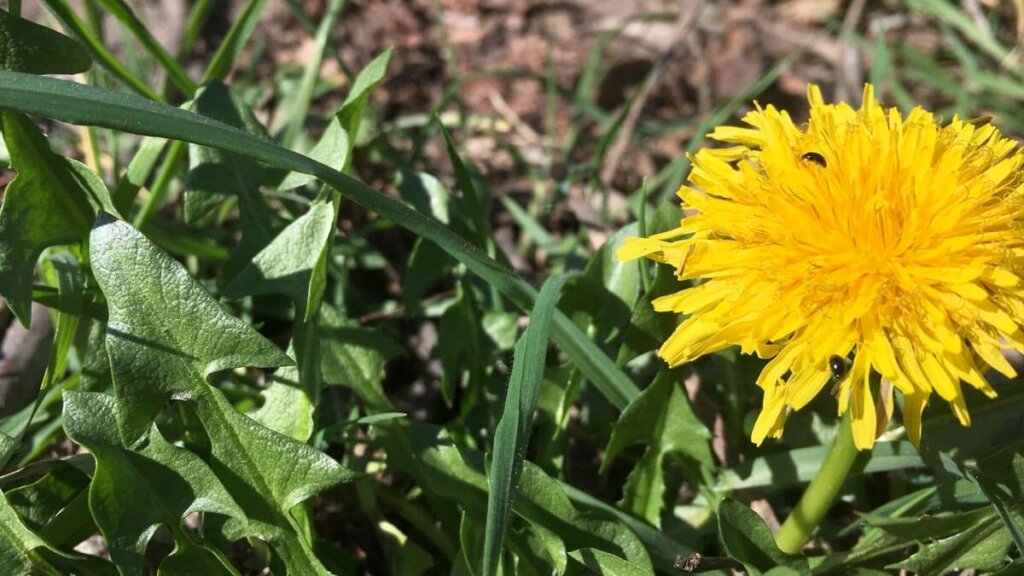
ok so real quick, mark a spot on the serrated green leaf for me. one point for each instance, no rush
(72, 524)
(746, 538)
(63, 271)
(501, 327)
(620, 279)
(643, 494)
(411, 560)
(165, 333)
(339, 138)
(983, 546)
(647, 329)
(663, 549)
(293, 263)
(930, 527)
(52, 201)
(133, 492)
(538, 550)
(8, 445)
(1012, 569)
(287, 408)
(354, 356)
(1001, 479)
(23, 552)
(940, 434)
(28, 47)
(660, 418)
(472, 543)
(605, 564)
(96, 376)
(457, 474)
(428, 263)
(269, 474)
(624, 544)
(16, 542)
(42, 501)
(426, 194)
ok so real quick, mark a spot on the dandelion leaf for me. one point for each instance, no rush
(660, 418)
(52, 201)
(135, 491)
(166, 334)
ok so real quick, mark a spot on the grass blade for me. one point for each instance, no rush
(232, 44)
(513, 431)
(302, 99)
(476, 202)
(74, 25)
(175, 72)
(80, 104)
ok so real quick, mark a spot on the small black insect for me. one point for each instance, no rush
(838, 366)
(816, 158)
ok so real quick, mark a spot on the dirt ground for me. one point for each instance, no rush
(707, 53)
(702, 52)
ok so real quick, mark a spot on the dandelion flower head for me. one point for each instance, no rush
(891, 244)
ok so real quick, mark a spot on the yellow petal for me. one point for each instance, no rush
(913, 406)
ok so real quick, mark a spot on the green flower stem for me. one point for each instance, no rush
(821, 492)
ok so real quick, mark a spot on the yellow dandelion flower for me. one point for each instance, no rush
(863, 234)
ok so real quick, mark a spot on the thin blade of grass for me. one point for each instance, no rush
(476, 204)
(198, 15)
(950, 14)
(513, 430)
(302, 99)
(74, 26)
(221, 63)
(88, 105)
(175, 72)
(232, 44)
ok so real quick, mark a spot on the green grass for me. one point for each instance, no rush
(311, 338)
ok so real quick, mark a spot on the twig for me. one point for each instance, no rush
(977, 13)
(1018, 6)
(509, 115)
(684, 26)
